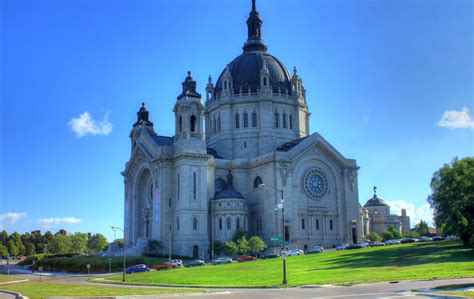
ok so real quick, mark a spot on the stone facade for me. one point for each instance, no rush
(203, 184)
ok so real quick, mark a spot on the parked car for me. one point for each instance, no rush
(439, 238)
(354, 246)
(137, 268)
(221, 260)
(270, 256)
(194, 263)
(166, 266)
(295, 252)
(363, 244)
(425, 239)
(313, 250)
(245, 258)
(392, 242)
(378, 243)
(342, 246)
(409, 240)
(178, 262)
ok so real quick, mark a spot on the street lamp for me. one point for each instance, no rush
(114, 228)
(282, 203)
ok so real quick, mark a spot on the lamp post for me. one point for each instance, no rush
(114, 228)
(282, 227)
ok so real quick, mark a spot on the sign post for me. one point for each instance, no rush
(40, 269)
(88, 269)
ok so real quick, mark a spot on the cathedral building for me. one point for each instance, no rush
(236, 160)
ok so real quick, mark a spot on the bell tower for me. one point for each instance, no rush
(189, 118)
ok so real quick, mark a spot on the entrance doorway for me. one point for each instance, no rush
(354, 235)
(195, 251)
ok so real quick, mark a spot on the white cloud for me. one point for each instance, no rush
(86, 125)
(53, 221)
(11, 218)
(423, 212)
(457, 119)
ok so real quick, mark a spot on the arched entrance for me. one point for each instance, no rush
(195, 251)
(143, 205)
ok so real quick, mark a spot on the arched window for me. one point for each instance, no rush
(237, 224)
(180, 124)
(317, 224)
(277, 120)
(177, 223)
(302, 223)
(330, 224)
(195, 223)
(237, 121)
(219, 123)
(283, 121)
(229, 223)
(246, 120)
(214, 126)
(192, 123)
(220, 223)
(195, 251)
(194, 185)
(257, 182)
(219, 184)
(254, 119)
(291, 122)
(265, 81)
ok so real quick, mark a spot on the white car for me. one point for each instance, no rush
(295, 252)
(342, 246)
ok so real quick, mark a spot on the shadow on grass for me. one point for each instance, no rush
(402, 256)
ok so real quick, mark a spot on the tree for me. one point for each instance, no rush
(16, 238)
(30, 249)
(218, 248)
(36, 239)
(391, 233)
(154, 246)
(4, 237)
(411, 234)
(452, 198)
(242, 245)
(373, 236)
(422, 228)
(97, 243)
(256, 245)
(3, 251)
(79, 243)
(230, 248)
(60, 244)
(12, 248)
(238, 235)
(120, 243)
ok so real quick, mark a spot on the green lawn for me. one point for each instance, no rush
(467, 294)
(7, 278)
(400, 262)
(45, 289)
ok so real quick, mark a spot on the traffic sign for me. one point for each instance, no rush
(275, 238)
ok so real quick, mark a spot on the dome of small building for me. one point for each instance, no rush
(229, 191)
(375, 200)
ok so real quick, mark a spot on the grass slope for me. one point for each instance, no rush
(400, 262)
(7, 278)
(45, 289)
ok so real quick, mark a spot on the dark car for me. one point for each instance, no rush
(137, 268)
(354, 246)
(437, 238)
(270, 256)
(194, 263)
(409, 240)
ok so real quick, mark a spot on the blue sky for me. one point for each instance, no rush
(389, 83)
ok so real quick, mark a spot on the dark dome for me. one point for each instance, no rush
(375, 201)
(245, 72)
(228, 193)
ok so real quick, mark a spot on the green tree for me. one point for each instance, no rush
(36, 239)
(79, 243)
(242, 245)
(218, 248)
(30, 249)
(230, 248)
(120, 243)
(256, 245)
(422, 228)
(12, 248)
(4, 237)
(452, 198)
(45, 239)
(411, 234)
(155, 246)
(373, 236)
(391, 233)
(3, 251)
(16, 238)
(238, 235)
(97, 243)
(60, 244)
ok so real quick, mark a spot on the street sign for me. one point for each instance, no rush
(284, 254)
(40, 269)
(275, 238)
(88, 266)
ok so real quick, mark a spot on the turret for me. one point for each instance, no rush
(143, 124)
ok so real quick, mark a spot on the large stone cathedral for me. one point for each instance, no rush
(235, 161)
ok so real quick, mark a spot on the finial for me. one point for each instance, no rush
(209, 79)
(254, 5)
(230, 179)
(295, 71)
(143, 104)
(189, 73)
(375, 191)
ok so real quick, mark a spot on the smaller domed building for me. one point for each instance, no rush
(379, 217)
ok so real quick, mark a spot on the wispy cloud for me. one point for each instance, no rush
(457, 119)
(86, 125)
(423, 212)
(11, 218)
(54, 221)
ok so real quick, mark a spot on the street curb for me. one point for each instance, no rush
(17, 295)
